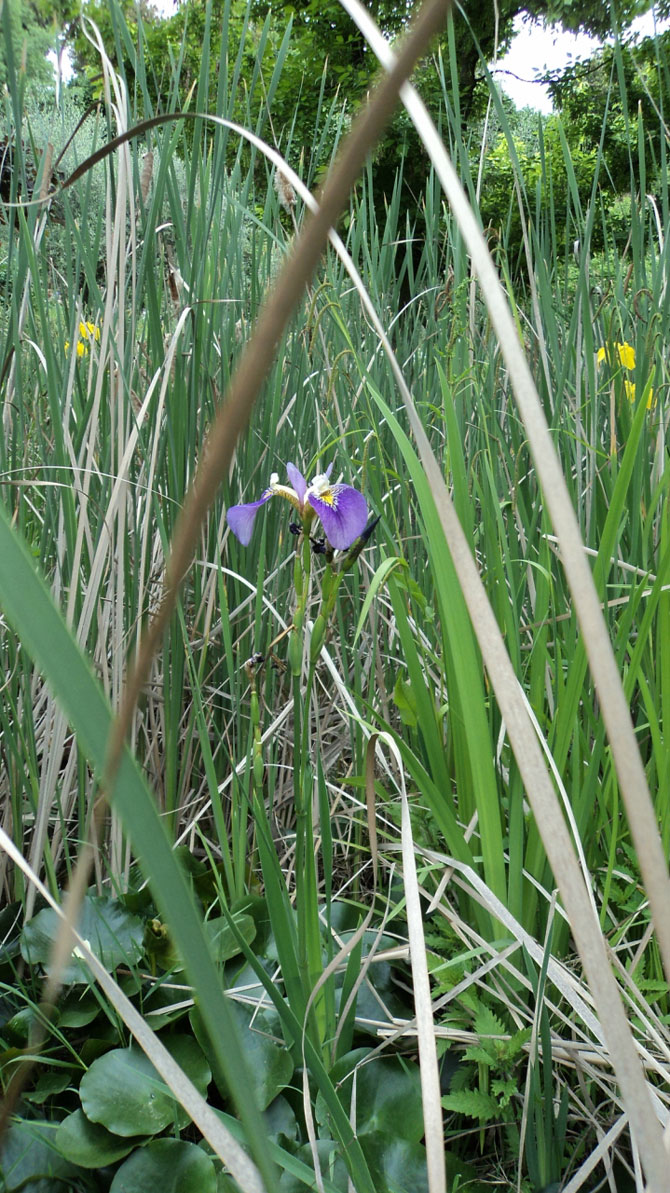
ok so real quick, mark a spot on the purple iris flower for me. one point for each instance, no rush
(342, 509)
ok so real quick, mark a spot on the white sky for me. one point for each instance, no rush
(538, 48)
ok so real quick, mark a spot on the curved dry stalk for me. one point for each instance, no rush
(234, 414)
(235, 411)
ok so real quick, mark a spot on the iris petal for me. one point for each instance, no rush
(241, 517)
(343, 514)
(297, 481)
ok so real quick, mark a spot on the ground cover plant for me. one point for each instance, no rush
(375, 896)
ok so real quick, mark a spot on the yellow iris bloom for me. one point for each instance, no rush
(87, 331)
(629, 387)
(626, 354)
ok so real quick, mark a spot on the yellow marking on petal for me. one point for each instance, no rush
(626, 355)
(321, 488)
(284, 491)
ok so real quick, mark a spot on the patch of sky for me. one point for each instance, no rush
(538, 49)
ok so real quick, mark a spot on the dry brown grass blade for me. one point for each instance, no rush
(234, 413)
(428, 1064)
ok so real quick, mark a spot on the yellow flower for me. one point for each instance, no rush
(87, 331)
(625, 351)
(629, 387)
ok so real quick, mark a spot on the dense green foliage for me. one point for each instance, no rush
(253, 840)
(325, 40)
(285, 72)
(608, 119)
(27, 39)
(324, 61)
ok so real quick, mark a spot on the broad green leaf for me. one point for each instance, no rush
(461, 1175)
(280, 1119)
(401, 1164)
(113, 934)
(29, 1159)
(53, 1081)
(123, 1091)
(223, 943)
(404, 700)
(269, 1061)
(388, 1095)
(301, 1170)
(78, 1008)
(90, 1145)
(18, 1029)
(377, 997)
(333, 1169)
(168, 1165)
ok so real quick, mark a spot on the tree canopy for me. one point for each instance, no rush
(28, 34)
(283, 85)
(325, 40)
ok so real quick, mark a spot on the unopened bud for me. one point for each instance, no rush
(295, 653)
(259, 767)
(255, 708)
(298, 577)
(318, 636)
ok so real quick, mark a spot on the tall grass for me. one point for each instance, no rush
(97, 453)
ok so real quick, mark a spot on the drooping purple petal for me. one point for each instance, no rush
(343, 512)
(298, 482)
(241, 517)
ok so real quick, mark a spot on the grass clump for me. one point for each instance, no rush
(324, 807)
